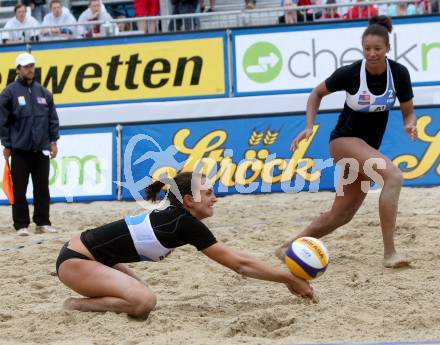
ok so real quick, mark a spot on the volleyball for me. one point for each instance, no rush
(307, 258)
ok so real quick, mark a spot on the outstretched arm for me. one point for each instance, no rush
(251, 267)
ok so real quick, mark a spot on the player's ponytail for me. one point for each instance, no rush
(379, 26)
(384, 21)
(178, 187)
(153, 190)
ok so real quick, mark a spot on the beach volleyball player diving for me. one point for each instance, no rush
(372, 86)
(92, 263)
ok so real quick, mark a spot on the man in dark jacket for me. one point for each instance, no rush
(29, 132)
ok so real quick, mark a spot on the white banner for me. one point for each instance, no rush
(212, 108)
(297, 61)
(82, 170)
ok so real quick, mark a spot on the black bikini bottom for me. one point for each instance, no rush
(66, 254)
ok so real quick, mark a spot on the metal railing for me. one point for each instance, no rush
(8, 3)
(198, 21)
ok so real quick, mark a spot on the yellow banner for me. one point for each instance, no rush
(123, 72)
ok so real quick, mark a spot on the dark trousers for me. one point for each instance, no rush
(188, 23)
(35, 164)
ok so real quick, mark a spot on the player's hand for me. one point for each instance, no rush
(53, 150)
(305, 134)
(411, 130)
(6, 153)
(300, 288)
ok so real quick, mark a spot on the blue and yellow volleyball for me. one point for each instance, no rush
(307, 258)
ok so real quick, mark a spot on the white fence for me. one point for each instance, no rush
(211, 20)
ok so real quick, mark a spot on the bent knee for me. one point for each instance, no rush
(143, 304)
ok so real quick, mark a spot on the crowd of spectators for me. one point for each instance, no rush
(59, 15)
(352, 9)
(36, 14)
(55, 21)
(58, 23)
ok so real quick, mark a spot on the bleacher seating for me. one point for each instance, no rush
(228, 13)
(6, 12)
(255, 17)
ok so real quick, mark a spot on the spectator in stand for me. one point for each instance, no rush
(330, 13)
(344, 6)
(435, 6)
(382, 9)
(250, 4)
(123, 26)
(359, 11)
(294, 16)
(290, 15)
(95, 12)
(38, 8)
(402, 9)
(183, 7)
(146, 8)
(59, 15)
(211, 6)
(307, 15)
(424, 6)
(19, 21)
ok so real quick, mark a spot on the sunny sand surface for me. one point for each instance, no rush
(200, 302)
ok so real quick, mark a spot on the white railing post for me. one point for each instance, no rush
(119, 156)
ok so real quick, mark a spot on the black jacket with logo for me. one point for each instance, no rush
(28, 118)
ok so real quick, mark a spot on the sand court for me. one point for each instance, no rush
(201, 302)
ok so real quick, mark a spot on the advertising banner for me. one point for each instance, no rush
(84, 169)
(128, 69)
(253, 156)
(297, 58)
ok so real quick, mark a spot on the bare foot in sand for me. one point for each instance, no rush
(69, 304)
(395, 261)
